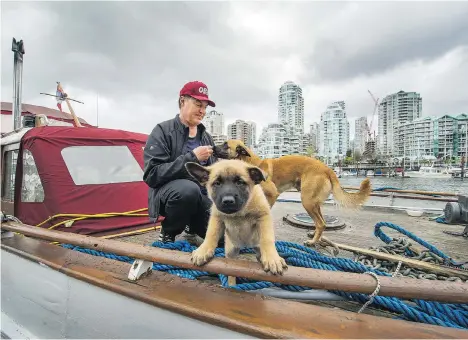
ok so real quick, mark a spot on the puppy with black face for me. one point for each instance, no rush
(240, 210)
(235, 149)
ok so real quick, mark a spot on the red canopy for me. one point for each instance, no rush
(81, 171)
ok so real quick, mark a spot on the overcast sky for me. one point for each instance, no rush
(137, 56)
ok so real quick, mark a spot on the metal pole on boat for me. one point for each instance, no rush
(18, 51)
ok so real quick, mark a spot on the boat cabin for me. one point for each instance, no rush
(82, 180)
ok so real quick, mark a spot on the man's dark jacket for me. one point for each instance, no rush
(163, 158)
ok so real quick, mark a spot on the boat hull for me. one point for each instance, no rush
(65, 307)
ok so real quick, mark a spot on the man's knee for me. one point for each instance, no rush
(184, 191)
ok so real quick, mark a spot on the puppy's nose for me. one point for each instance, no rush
(228, 200)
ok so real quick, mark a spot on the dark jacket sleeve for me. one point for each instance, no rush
(158, 169)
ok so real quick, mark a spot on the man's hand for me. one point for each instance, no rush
(203, 152)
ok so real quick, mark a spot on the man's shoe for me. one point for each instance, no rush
(192, 238)
(188, 231)
(166, 238)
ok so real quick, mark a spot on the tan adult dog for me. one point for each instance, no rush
(312, 178)
(240, 211)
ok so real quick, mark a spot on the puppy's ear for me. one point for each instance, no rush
(200, 173)
(242, 151)
(257, 175)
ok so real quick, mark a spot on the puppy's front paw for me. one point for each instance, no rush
(274, 264)
(201, 256)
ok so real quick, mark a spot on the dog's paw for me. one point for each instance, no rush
(201, 256)
(323, 243)
(274, 264)
(310, 243)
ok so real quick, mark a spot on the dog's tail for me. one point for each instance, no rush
(349, 199)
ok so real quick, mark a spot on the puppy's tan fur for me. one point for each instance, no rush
(312, 178)
(251, 226)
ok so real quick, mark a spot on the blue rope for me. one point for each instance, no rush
(441, 219)
(430, 312)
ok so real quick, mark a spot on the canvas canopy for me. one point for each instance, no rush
(83, 171)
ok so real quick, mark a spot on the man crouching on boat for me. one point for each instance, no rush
(173, 193)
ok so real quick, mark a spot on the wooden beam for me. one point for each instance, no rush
(406, 288)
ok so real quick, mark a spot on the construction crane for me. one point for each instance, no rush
(369, 150)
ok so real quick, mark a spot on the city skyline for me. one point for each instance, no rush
(333, 50)
(401, 129)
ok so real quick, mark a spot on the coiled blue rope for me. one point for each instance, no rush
(430, 312)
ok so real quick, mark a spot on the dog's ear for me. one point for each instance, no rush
(242, 151)
(257, 175)
(200, 173)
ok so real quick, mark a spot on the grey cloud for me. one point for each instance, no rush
(120, 48)
(139, 54)
(386, 35)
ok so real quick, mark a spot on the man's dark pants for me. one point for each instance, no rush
(182, 204)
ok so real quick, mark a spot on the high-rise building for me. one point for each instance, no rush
(445, 135)
(461, 140)
(394, 110)
(244, 131)
(360, 134)
(415, 138)
(315, 136)
(214, 122)
(291, 114)
(334, 132)
(273, 141)
(441, 137)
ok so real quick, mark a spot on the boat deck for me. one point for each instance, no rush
(358, 232)
(359, 229)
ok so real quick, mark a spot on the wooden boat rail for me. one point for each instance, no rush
(247, 313)
(451, 292)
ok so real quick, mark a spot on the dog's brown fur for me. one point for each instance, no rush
(250, 226)
(312, 178)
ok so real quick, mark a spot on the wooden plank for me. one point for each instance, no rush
(409, 262)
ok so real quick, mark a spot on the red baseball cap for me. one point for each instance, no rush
(197, 90)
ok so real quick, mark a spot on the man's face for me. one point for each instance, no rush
(193, 110)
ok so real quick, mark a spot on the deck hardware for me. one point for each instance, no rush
(139, 269)
(457, 211)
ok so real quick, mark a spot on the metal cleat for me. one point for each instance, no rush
(139, 269)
